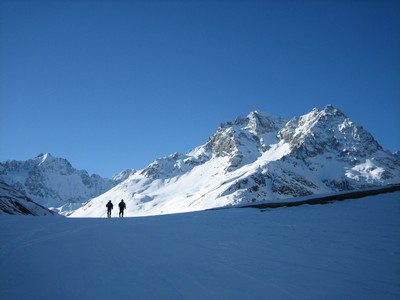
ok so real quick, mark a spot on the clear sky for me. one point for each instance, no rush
(111, 84)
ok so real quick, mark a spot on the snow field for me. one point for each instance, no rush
(345, 250)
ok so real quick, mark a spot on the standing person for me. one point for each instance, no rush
(109, 208)
(122, 206)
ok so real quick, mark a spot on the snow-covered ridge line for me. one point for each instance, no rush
(259, 158)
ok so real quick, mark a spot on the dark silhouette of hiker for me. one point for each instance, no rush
(109, 208)
(122, 207)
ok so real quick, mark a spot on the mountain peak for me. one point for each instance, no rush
(328, 130)
(46, 160)
(245, 135)
(42, 157)
(332, 110)
(261, 123)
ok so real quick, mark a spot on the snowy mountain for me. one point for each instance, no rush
(258, 158)
(54, 183)
(13, 202)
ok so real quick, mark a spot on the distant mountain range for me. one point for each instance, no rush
(257, 158)
(54, 183)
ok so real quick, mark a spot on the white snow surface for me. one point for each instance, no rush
(344, 250)
(199, 188)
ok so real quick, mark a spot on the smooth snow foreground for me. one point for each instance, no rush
(345, 250)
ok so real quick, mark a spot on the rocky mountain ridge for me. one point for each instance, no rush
(259, 158)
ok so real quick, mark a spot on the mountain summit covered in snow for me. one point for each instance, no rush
(54, 183)
(258, 158)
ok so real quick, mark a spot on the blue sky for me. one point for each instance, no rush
(111, 85)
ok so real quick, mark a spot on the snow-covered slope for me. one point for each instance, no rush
(13, 202)
(344, 250)
(54, 183)
(259, 157)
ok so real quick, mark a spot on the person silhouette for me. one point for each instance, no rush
(122, 207)
(109, 208)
